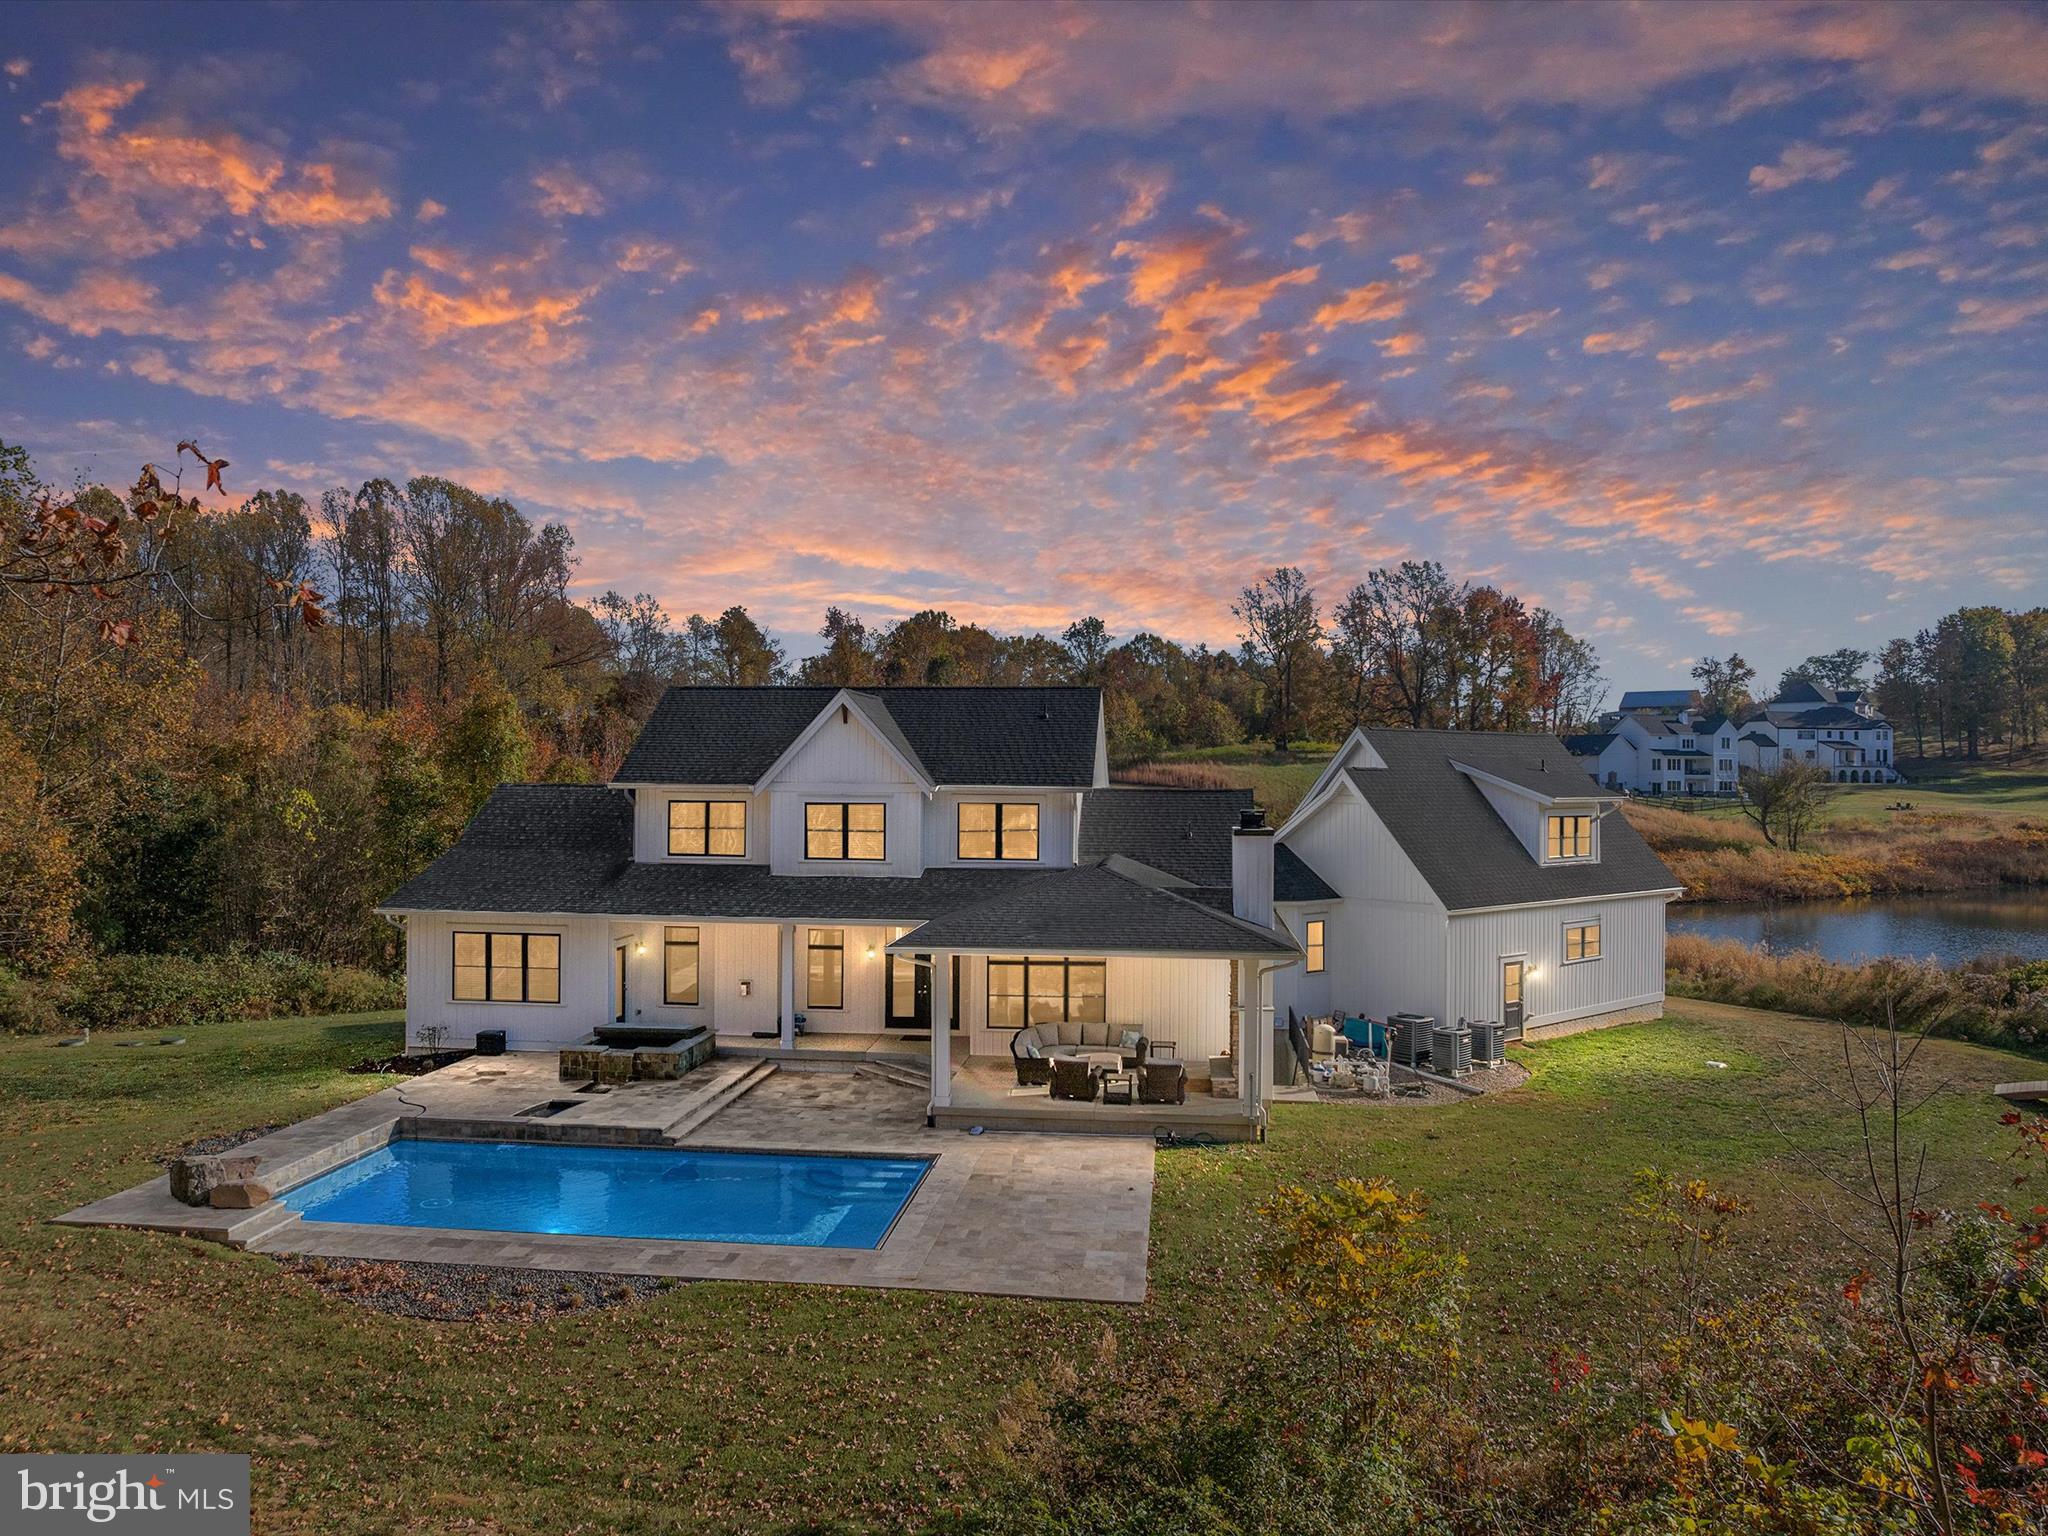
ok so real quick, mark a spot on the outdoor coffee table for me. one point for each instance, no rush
(1104, 1062)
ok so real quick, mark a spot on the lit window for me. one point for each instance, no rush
(679, 974)
(508, 968)
(708, 828)
(1581, 942)
(825, 969)
(993, 831)
(841, 831)
(1035, 991)
(1315, 945)
(1570, 837)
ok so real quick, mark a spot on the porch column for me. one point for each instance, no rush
(785, 945)
(942, 1036)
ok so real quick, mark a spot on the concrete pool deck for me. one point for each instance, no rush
(1056, 1217)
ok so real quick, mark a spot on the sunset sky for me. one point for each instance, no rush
(1707, 327)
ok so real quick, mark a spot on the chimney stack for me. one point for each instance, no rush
(1251, 867)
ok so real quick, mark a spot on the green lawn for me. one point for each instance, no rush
(1983, 788)
(753, 1408)
(1281, 779)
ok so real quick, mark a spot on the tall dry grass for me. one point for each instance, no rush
(1718, 859)
(1993, 1000)
(1176, 776)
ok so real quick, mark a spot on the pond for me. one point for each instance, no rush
(1951, 927)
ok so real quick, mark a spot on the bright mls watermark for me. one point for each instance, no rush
(162, 1495)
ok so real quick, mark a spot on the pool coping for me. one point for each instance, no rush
(926, 1161)
(1048, 1216)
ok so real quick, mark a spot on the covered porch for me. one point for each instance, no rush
(1100, 1004)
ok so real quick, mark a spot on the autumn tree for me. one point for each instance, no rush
(1280, 625)
(1783, 801)
(848, 660)
(1723, 685)
(1087, 644)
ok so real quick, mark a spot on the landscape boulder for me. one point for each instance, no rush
(195, 1178)
(242, 1195)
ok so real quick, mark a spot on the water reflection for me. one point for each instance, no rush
(1950, 928)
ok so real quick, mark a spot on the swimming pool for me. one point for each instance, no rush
(698, 1196)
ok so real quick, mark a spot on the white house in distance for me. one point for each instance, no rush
(1662, 743)
(946, 876)
(1473, 876)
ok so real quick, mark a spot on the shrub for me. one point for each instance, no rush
(176, 992)
(1991, 1007)
(25, 1006)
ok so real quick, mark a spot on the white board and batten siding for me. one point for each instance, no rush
(1185, 1000)
(430, 982)
(845, 761)
(1628, 974)
(650, 822)
(1056, 826)
(1383, 939)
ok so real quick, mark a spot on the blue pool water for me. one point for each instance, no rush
(712, 1197)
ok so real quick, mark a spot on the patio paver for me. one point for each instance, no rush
(1049, 1216)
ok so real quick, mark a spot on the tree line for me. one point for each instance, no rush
(237, 733)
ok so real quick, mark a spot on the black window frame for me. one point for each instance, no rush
(746, 817)
(846, 831)
(1583, 927)
(1569, 837)
(526, 967)
(999, 856)
(811, 946)
(1067, 965)
(1315, 944)
(696, 943)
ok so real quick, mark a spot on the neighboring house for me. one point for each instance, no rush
(1476, 876)
(1661, 743)
(864, 861)
(1834, 729)
(1650, 753)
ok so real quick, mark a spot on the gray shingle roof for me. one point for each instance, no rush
(1544, 768)
(1021, 736)
(1463, 849)
(1295, 880)
(1656, 698)
(1106, 905)
(561, 848)
(1589, 746)
(1185, 832)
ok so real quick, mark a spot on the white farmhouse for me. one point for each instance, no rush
(945, 878)
(1473, 876)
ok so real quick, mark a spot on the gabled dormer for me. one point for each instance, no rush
(1555, 815)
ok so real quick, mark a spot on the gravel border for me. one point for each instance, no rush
(450, 1293)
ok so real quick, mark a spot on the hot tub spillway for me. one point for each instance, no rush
(616, 1054)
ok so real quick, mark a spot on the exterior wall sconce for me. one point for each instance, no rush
(871, 951)
(746, 989)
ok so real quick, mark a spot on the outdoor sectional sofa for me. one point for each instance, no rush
(1035, 1045)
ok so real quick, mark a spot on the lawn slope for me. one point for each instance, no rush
(725, 1407)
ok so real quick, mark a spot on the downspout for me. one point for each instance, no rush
(1265, 1037)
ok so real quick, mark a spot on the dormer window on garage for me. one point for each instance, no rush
(1567, 836)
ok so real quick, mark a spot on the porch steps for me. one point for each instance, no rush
(890, 1072)
(704, 1107)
